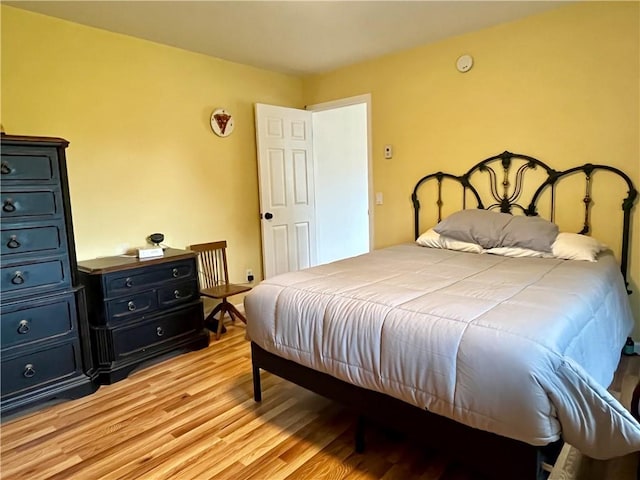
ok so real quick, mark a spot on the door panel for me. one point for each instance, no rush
(280, 249)
(303, 245)
(301, 177)
(277, 179)
(299, 130)
(274, 128)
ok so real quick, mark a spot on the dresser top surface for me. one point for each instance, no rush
(23, 139)
(125, 262)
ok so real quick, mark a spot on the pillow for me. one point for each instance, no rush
(495, 229)
(432, 239)
(478, 226)
(574, 246)
(518, 252)
(533, 233)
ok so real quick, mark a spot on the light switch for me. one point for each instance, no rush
(378, 198)
(388, 151)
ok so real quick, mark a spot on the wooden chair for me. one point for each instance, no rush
(214, 283)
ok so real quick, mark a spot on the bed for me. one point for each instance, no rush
(484, 338)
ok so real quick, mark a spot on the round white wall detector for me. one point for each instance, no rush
(464, 63)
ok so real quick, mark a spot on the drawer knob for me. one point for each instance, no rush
(23, 327)
(13, 242)
(128, 283)
(29, 370)
(131, 306)
(176, 293)
(175, 273)
(17, 279)
(5, 169)
(159, 331)
(8, 205)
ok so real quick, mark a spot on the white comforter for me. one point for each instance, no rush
(522, 347)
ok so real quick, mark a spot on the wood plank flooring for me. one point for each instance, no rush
(193, 417)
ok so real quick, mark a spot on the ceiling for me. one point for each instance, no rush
(294, 37)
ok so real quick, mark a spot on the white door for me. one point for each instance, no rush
(287, 198)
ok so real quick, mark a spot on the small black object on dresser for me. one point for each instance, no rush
(140, 310)
(45, 334)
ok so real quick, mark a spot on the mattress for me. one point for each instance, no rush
(521, 347)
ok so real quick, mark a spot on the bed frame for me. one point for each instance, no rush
(491, 455)
(507, 190)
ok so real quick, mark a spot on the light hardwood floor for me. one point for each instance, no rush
(193, 417)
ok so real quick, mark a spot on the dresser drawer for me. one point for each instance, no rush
(41, 239)
(156, 333)
(25, 205)
(132, 306)
(140, 279)
(19, 164)
(35, 276)
(43, 319)
(179, 294)
(36, 368)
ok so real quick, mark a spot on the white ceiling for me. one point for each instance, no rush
(295, 37)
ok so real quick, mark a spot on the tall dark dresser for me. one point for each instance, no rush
(45, 346)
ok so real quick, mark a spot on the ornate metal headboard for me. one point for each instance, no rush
(506, 173)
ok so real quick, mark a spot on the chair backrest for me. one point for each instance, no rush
(212, 263)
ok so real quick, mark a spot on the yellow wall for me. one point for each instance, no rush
(562, 86)
(142, 155)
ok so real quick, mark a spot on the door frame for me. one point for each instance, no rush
(345, 102)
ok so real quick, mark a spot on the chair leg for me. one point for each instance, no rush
(233, 313)
(234, 310)
(223, 308)
(227, 309)
(220, 321)
(212, 322)
(211, 317)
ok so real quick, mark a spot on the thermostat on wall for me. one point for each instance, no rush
(464, 63)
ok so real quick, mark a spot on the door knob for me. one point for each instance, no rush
(268, 215)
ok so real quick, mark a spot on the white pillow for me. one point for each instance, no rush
(430, 239)
(574, 246)
(518, 252)
(433, 239)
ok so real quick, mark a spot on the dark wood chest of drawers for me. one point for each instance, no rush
(142, 309)
(45, 335)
